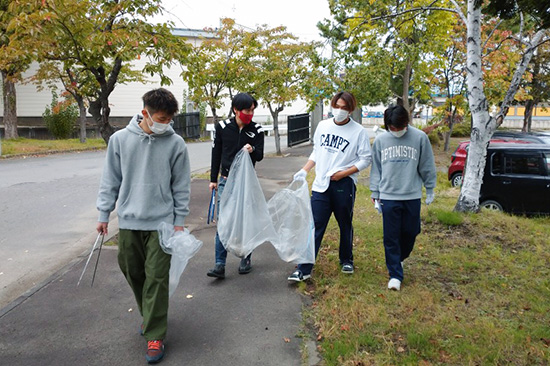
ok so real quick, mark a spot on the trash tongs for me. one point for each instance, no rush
(211, 208)
(90, 257)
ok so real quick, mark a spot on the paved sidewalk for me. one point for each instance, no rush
(243, 320)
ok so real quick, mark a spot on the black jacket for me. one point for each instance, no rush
(228, 140)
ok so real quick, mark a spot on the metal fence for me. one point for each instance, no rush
(188, 125)
(298, 129)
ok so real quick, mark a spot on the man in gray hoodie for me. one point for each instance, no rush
(402, 161)
(147, 171)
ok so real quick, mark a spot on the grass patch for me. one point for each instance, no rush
(23, 146)
(475, 292)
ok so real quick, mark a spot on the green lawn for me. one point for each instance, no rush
(476, 290)
(23, 146)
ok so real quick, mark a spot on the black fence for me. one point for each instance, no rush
(188, 125)
(298, 129)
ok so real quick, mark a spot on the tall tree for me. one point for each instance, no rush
(13, 61)
(391, 45)
(283, 66)
(220, 65)
(483, 123)
(101, 38)
(539, 84)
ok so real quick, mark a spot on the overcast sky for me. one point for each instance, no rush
(299, 16)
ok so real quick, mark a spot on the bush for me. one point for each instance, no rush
(60, 118)
(462, 129)
(434, 138)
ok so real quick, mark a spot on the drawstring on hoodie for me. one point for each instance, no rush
(145, 135)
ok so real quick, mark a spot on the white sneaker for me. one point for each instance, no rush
(394, 284)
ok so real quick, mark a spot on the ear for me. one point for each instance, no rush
(144, 113)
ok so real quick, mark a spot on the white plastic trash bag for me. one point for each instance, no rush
(290, 211)
(244, 221)
(182, 246)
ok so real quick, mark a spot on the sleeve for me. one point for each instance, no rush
(426, 165)
(313, 155)
(110, 181)
(181, 186)
(216, 160)
(258, 145)
(376, 170)
(363, 151)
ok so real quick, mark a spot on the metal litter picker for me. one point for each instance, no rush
(100, 235)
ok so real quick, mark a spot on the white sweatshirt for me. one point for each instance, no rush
(337, 148)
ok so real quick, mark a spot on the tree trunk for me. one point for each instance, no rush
(528, 115)
(10, 107)
(483, 125)
(99, 109)
(275, 115)
(82, 118)
(406, 86)
(448, 135)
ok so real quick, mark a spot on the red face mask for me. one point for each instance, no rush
(245, 118)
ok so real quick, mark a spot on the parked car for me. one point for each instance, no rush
(517, 178)
(458, 158)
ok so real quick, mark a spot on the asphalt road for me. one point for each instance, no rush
(48, 213)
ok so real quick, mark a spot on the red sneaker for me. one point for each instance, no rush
(155, 351)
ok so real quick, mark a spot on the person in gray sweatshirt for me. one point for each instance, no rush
(147, 171)
(402, 161)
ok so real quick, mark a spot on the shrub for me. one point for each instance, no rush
(60, 117)
(462, 129)
(434, 138)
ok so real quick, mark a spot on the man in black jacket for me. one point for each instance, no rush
(232, 135)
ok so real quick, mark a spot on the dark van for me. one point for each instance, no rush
(517, 178)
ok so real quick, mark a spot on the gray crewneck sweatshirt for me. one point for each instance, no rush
(401, 165)
(149, 176)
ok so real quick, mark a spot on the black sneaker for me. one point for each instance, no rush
(298, 276)
(245, 266)
(218, 271)
(347, 268)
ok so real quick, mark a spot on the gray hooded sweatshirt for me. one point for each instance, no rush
(400, 165)
(150, 177)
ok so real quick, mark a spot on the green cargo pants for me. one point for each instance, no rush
(146, 268)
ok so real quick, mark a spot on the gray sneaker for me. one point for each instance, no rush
(347, 268)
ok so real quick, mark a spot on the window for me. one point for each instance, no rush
(547, 161)
(496, 164)
(523, 164)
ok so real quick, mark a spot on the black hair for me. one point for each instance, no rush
(243, 101)
(396, 116)
(160, 100)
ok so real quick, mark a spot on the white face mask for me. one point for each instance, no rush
(340, 115)
(398, 134)
(157, 127)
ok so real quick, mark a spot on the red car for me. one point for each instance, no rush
(458, 159)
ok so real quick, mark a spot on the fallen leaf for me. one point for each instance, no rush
(287, 340)
(189, 296)
(400, 349)
(459, 336)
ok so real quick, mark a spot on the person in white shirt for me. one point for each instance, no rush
(341, 150)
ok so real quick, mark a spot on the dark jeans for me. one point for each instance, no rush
(401, 220)
(339, 198)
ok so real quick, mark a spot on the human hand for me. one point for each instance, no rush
(429, 198)
(338, 175)
(178, 228)
(102, 228)
(300, 175)
(212, 186)
(248, 148)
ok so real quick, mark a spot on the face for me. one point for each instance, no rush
(341, 104)
(395, 129)
(159, 117)
(249, 111)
